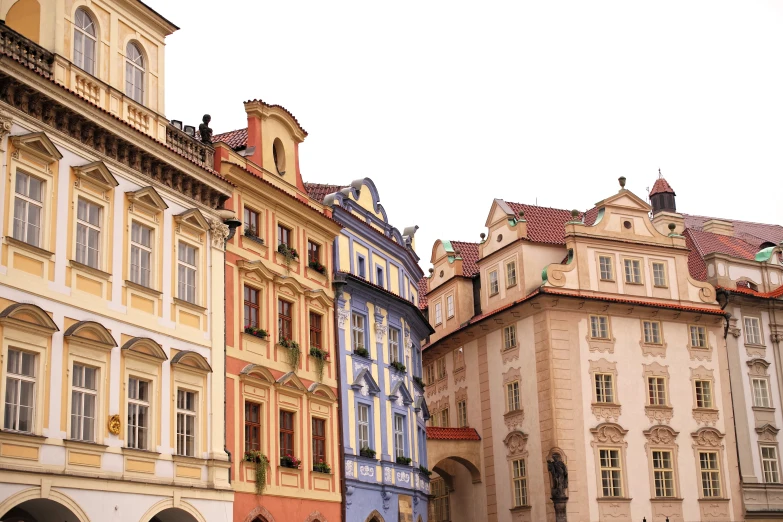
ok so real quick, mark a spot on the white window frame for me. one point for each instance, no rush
(185, 267)
(394, 345)
(607, 469)
(603, 384)
(440, 368)
(186, 423)
(363, 428)
(358, 328)
(510, 337)
(664, 479)
(139, 405)
(14, 380)
(399, 435)
(519, 482)
(659, 279)
(138, 251)
(512, 397)
(652, 332)
(462, 413)
(494, 287)
(699, 335)
(769, 464)
(656, 391)
(606, 270)
(511, 274)
(599, 327)
(26, 201)
(83, 249)
(135, 65)
(438, 314)
(633, 271)
(449, 306)
(703, 395)
(753, 333)
(711, 475)
(80, 394)
(86, 39)
(760, 389)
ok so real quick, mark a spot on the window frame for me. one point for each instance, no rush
(758, 335)
(440, 364)
(440, 500)
(283, 319)
(249, 214)
(186, 414)
(657, 390)
(449, 306)
(511, 281)
(519, 482)
(313, 251)
(288, 232)
(653, 333)
(510, 340)
(717, 471)
(606, 323)
(361, 266)
(610, 277)
(438, 314)
(140, 403)
(600, 380)
(84, 391)
(699, 330)
(493, 283)
(88, 226)
(85, 37)
(710, 393)
(140, 68)
(21, 378)
(286, 433)
(513, 399)
(635, 263)
(671, 470)
(319, 439)
(462, 413)
(149, 249)
(360, 425)
(250, 445)
(248, 307)
(394, 345)
(398, 435)
(359, 331)
(773, 460)
(665, 275)
(767, 398)
(315, 328)
(27, 201)
(183, 246)
(618, 470)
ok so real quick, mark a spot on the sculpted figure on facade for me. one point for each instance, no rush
(558, 474)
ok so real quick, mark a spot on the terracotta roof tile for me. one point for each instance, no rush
(236, 139)
(422, 293)
(436, 433)
(660, 186)
(745, 229)
(696, 265)
(470, 255)
(318, 191)
(547, 225)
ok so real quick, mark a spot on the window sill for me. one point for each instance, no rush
(254, 239)
(763, 408)
(189, 460)
(83, 444)
(518, 509)
(606, 404)
(714, 499)
(142, 288)
(754, 345)
(186, 304)
(661, 286)
(30, 248)
(140, 453)
(607, 280)
(614, 499)
(368, 459)
(21, 436)
(90, 270)
(634, 283)
(666, 499)
(493, 295)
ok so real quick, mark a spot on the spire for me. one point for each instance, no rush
(662, 196)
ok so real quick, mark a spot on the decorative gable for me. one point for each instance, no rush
(38, 145)
(421, 406)
(291, 380)
(365, 384)
(148, 198)
(145, 347)
(399, 391)
(191, 360)
(91, 333)
(97, 173)
(192, 218)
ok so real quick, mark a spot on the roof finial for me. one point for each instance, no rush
(621, 179)
(659, 173)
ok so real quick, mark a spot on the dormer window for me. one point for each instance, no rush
(84, 42)
(134, 73)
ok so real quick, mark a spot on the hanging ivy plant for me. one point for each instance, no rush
(293, 352)
(320, 357)
(289, 254)
(262, 462)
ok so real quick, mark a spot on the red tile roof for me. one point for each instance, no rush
(778, 292)
(236, 139)
(422, 293)
(547, 225)
(660, 186)
(470, 255)
(318, 191)
(436, 433)
(749, 231)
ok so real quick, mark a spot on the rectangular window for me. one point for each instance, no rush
(315, 330)
(769, 461)
(652, 332)
(252, 426)
(604, 387)
(429, 373)
(399, 436)
(449, 306)
(512, 396)
(509, 337)
(138, 413)
(659, 274)
(605, 266)
(611, 473)
(88, 233)
(710, 473)
(394, 345)
(251, 223)
(663, 471)
(141, 254)
(698, 336)
(313, 252)
(186, 272)
(19, 391)
(753, 330)
(186, 423)
(462, 414)
(761, 393)
(703, 394)
(286, 433)
(520, 482)
(360, 268)
(284, 235)
(599, 327)
(633, 271)
(440, 500)
(252, 309)
(441, 364)
(493, 283)
(511, 273)
(438, 314)
(285, 326)
(84, 394)
(357, 331)
(379, 279)
(363, 414)
(28, 209)
(444, 418)
(319, 441)
(656, 391)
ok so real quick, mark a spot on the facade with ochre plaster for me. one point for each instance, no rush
(111, 269)
(281, 395)
(583, 335)
(379, 328)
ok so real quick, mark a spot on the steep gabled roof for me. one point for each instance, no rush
(318, 191)
(469, 252)
(546, 224)
(236, 139)
(422, 293)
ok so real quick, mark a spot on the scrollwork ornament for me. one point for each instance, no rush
(219, 232)
(114, 424)
(342, 317)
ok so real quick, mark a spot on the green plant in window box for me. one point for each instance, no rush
(404, 460)
(397, 365)
(424, 471)
(322, 467)
(293, 352)
(250, 231)
(262, 462)
(367, 452)
(256, 332)
(321, 357)
(362, 352)
(317, 266)
(289, 461)
(418, 380)
(290, 254)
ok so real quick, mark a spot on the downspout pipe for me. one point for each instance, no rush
(233, 224)
(337, 285)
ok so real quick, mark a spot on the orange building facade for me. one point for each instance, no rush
(281, 388)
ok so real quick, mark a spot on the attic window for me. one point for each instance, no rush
(627, 224)
(748, 284)
(278, 155)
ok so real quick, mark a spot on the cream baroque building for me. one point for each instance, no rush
(112, 250)
(582, 335)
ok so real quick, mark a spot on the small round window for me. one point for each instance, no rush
(278, 155)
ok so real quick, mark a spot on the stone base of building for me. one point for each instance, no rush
(377, 503)
(763, 501)
(249, 507)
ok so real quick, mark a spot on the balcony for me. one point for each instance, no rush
(190, 147)
(25, 51)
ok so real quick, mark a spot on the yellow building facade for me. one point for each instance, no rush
(113, 245)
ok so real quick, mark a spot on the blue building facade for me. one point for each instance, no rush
(379, 328)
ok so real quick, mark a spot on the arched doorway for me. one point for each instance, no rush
(173, 515)
(456, 491)
(40, 510)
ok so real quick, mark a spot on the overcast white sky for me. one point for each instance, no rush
(447, 105)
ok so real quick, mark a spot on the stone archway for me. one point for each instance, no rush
(259, 514)
(167, 511)
(29, 506)
(374, 517)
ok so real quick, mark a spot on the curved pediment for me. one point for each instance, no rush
(365, 384)
(257, 371)
(91, 332)
(146, 347)
(256, 267)
(29, 316)
(291, 380)
(191, 360)
(399, 390)
(322, 390)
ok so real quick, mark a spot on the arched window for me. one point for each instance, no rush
(134, 73)
(84, 39)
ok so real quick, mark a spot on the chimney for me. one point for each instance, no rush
(662, 196)
(254, 111)
(718, 226)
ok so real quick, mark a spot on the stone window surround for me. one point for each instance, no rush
(514, 418)
(659, 414)
(609, 435)
(654, 350)
(641, 270)
(709, 439)
(704, 416)
(661, 437)
(516, 449)
(653, 261)
(697, 352)
(611, 257)
(758, 369)
(761, 331)
(767, 437)
(598, 344)
(84, 189)
(146, 207)
(605, 411)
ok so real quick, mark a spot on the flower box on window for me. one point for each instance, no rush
(404, 460)
(288, 252)
(293, 351)
(419, 381)
(321, 357)
(362, 352)
(256, 332)
(424, 471)
(261, 462)
(289, 461)
(397, 365)
(367, 452)
(317, 266)
(322, 467)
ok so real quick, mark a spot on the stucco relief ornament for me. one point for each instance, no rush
(408, 343)
(342, 317)
(348, 468)
(358, 366)
(114, 424)
(380, 329)
(218, 232)
(365, 390)
(5, 124)
(386, 497)
(403, 476)
(366, 471)
(661, 435)
(388, 475)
